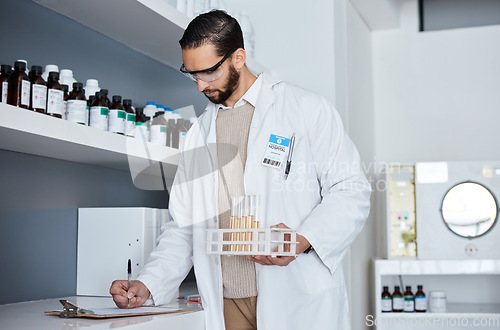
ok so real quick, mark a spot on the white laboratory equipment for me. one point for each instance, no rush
(107, 238)
(457, 209)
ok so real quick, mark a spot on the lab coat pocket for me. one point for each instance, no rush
(317, 276)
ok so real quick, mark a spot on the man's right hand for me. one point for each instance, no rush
(138, 293)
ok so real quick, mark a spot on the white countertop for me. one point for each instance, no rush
(30, 315)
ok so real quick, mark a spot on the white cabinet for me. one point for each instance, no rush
(471, 303)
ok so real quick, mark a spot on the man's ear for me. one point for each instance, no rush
(239, 58)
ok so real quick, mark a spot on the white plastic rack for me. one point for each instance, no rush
(260, 241)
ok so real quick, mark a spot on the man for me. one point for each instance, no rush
(324, 195)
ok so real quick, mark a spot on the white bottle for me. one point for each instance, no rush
(50, 68)
(150, 109)
(91, 87)
(66, 78)
(176, 115)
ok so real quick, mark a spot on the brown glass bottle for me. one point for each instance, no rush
(130, 122)
(105, 96)
(19, 86)
(409, 300)
(117, 116)
(397, 300)
(55, 96)
(65, 98)
(420, 300)
(38, 99)
(5, 72)
(386, 304)
(98, 116)
(77, 105)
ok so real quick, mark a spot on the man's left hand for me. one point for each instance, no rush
(302, 245)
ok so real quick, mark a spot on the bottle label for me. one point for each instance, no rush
(130, 124)
(65, 110)
(420, 303)
(158, 134)
(116, 122)
(98, 118)
(25, 93)
(76, 111)
(5, 89)
(39, 97)
(141, 131)
(386, 304)
(397, 303)
(55, 102)
(409, 304)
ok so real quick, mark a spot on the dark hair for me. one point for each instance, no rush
(216, 27)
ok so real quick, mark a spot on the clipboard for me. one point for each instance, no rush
(71, 310)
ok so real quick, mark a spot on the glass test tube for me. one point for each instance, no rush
(244, 219)
(234, 215)
(238, 220)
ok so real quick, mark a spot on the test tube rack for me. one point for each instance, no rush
(261, 241)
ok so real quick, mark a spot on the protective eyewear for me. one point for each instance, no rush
(210, 74)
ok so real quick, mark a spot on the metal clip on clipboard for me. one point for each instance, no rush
(72, 310)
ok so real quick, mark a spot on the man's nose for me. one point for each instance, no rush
(201, 85)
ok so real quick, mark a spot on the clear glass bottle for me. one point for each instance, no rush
(397, 300)
(117, 116)
(77, 105)
(99, 111)
(386, 304)
(19, 86)
(38, 100)
(420, 300)
(130, 122)
(5, 72)
(55, 96)
(409, 300)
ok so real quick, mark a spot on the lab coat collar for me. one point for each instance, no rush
(251, 96)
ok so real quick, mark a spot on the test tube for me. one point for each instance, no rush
(238, 221)
(244, 219)
(234, 215)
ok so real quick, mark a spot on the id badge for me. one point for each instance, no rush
(276, 151)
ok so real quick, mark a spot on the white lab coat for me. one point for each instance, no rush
(325, 198)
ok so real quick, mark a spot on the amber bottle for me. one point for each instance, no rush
(38, 100)
(55, 96)
(420, 300)
(19, 86)
(77, 105)
(386, 303)
(5, 72)
(397, 300)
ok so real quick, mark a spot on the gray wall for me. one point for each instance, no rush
(39, 197)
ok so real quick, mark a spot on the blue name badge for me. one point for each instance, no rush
(276, 151)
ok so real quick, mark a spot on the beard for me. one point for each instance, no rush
(230, 86)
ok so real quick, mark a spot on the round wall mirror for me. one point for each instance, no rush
(469, 209)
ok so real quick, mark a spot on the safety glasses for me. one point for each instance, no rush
(210, 74)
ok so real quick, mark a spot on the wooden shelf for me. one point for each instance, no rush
(151, 27)
(37, 134)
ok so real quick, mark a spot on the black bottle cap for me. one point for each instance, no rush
(54, 75)
(6, 68)
(92, 98)
(386, 288)
(104, 91)
(408, 288)
(159, 113)
(127, 102)
(420, 287)
(147, 118)
(117, 98)
(77, 85)
(65, 88)
(396, 288)
(98, 94)
(18, 65)
(36, 69)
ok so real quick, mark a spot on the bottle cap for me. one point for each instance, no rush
(420, 287)
(92, 82)
(160, 106)
(65, 88)
(139, 111)
(54, 75)
(168, 109)
(150, 103)
(159, 113)
(127, 102)
(396, 288)
(117, 98)
(98, 94)
(6, 68)
(408, 288)
(36, 69)
(51, 67)
(386, 288)
(19, 65)
(92, 98)
(66, 72)
(105, 91)
(77, 85)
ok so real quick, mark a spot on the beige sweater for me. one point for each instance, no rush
(232, 128)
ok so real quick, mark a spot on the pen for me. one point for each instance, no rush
(289, 158)
(129, 272)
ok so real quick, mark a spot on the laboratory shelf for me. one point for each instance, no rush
(455, 310)
(151, 27)
(37, 134)
(437, 267)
